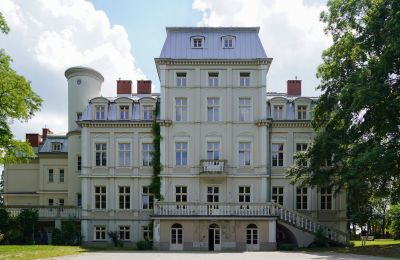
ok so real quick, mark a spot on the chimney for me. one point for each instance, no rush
(33, 139)
(124, 88)
(294, 87)
(45, 132)
(144, 87)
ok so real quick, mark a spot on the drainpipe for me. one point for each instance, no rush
(269, 173)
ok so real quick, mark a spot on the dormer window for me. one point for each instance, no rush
(123, 112)
(100, 112)
(228, 42)
(56, 147)
(198, 42)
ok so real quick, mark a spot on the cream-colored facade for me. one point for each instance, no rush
(225, 146)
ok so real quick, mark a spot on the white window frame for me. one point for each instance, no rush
(148, 194)
(197, 42)
(213, 79)
(302, 194)
(278, 112)
(278, 194)
(102, 232)
(147, 112)
(215, 106)
(147, 233)
(124, 197)
(181, 105)
(61, 177)
(254, 235)
(181, 150)
(181, 79)
(245, 151)
(277, 152)
(213, 193)
(102, 193)
(326, 195)
(176, 233)
(244, 79)
(246, 194)
(181, 194)
(214, 151)
(56, 146)
(245, 109)
(124, 154)
(100, 151)
(228, 42)
(50, 176)
(100, 112)
(148, 153)
(123, 112)
(124, 230)
(301, 113)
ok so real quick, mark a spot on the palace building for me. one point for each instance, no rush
(225, 145)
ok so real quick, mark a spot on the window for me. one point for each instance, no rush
(51, 175)
(181, 194)
(213, 79)
(197, 43)
(301, 148)
(124, 154)
(124, 197)
(244, 194)
(327, 162)
(79, 163)
(101, 154)
(147, 197)
(124, 232)
(100, 197)
(277, 154)
(326, 198)
(79, 199)
(244, 154)
(228, 42)
(213, 109)
(244, 109)
(99, 233)
(213, 194)
(147, 112)
(78, 116)
(123, 112)
(176, 234)
(147, 233)
(61, 202)
(278, 112)
(100, 112)
(181, 79)
(61, 175)
(181, 153)
(277, 195)
(51, 202)
(212, 150)
(148, 149)
(181, 109)
(56, 147)
(302, 112)
(252, 235)
(301, 198)
(244, 79)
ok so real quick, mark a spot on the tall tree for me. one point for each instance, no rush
(357, 118)
(17, 102)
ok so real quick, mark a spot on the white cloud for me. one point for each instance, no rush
(290, 32)
(47, 37)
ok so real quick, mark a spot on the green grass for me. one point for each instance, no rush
(27, 252)
(378, 242)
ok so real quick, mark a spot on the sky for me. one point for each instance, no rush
(121, 38)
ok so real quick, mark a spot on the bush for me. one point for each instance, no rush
(320, 239)
(287, 247)
(115, 238)
(71, 233)
(57, 237)
(14, 236)
(4, 220)
(1, 237)
(144, 245)
(27, 221)
(394, 215)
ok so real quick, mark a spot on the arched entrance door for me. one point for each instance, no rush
(214, 238)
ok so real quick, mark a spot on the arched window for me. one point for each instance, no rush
(252, 234)
(176, 234)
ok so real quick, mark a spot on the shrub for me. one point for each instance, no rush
(287, 247)
(144, 245)
(1, 237)
(4, 219)
(27, 221)
(71, 233)
(57, 237)
(320, 239)
(14, 236)
(115, 238)
(394, 215)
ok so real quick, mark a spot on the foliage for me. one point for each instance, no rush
(320, 239)
(115, 238)
(27, 220)
(1, 237)
(4, 220)
(17, 101)
(71, 233)
(57, 237)
(357, 117)
(27, 252)
(394, 215)
(156, 163)
(144, 245)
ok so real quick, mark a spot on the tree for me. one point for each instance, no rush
(357, 118)
(17, 102)
(394, 214)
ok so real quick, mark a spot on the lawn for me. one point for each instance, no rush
(27, 252)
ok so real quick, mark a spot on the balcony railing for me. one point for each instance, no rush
(47, 212)
(212, 166)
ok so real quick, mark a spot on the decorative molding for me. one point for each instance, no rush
(291, 124)
(263, 122)
(162, 61)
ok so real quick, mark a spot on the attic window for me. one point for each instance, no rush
(228, 42)
(197, 43)
(56, 147)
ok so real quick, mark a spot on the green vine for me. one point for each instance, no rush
(155, 185)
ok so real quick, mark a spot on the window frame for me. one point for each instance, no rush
(195, 42)
(245, 152)
(148, 113)
(101, 153)
(245, 195)
(213, 144)
(100, 112)
(323, 193)
(301, 113)
(213, 105)
(50, 177)
(247, 109)
(253, 232)
(176, 234)
(278, 162)
(100, 197)
(278, 196)
(181, 79)
(125, 231)
(181, 104)
(147, 192)
(181, 192)
(102, 230)
(147, 154)
(61, 177)
(124, 197)
(56, 146)
(226, 39)
(123, 112)
(244, 79)
(213, 79)
(278, 112)
(302, 198)
(181, 150)
(124, 155)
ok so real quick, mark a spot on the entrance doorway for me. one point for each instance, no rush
(214, 238)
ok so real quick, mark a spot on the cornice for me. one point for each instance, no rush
(122, 124)
(163, 61)
(291, 124)
(263, 122)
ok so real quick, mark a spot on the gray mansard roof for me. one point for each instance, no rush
(247, 46)
(47, 146)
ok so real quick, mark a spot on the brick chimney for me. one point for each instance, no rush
(124, 88)
(34, 139)
(45, 132)
(144, 86)
(294, 87)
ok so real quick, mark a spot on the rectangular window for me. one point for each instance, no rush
(61, 202)
(181, 79)
(228, 43)
(212, 194)
(124, 197)
(124, 232)
(197, 43)
(51, 202)
(148, 150)
(244, 109)
(277, 195)
(244, 79)
(100, 197)
(56, 147)
(213, 109)
(123, 112)
(277, 154)
(101, 154)
(79, 163)
(302, 112)
(181, 194)
(78, 116)
(181, 153)
(100, 112)
(301, 198)
(326, 198)
(147, 197)
(124, 154)
(213, 79)
(244, 194)
(147, 112)
(147, 233)
(79, 199)
(244, 154)
(181, 109)
(212, 150)
(278, 112)
(301, 148)
(99, 233)
(51, 175)
(61, 175)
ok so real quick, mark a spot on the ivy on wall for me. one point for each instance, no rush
(155, 185)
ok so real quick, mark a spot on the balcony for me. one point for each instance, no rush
(48, 212)
(212, 166)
